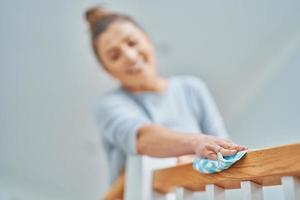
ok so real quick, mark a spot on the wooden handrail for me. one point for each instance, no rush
(264, 167)
(116, 191)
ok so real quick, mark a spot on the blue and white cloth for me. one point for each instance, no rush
(207, 166)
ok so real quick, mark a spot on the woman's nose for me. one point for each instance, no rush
(130, 55)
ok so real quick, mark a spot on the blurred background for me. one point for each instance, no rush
(248, 53)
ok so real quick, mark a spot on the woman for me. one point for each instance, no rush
(150, 114)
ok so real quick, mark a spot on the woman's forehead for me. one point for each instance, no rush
(118, 32)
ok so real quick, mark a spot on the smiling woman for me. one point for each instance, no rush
(123, 49)
(128, 55)
(150, 114)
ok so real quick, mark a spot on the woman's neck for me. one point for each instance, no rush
(158, 84)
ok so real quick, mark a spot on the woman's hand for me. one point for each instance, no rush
(158, 141)
(208, 146)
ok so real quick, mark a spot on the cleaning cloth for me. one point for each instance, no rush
(207, 166)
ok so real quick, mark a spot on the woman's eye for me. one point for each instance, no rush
(131, 43)
(114, 56)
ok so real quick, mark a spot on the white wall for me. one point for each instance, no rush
(49, 80)
(272, 117)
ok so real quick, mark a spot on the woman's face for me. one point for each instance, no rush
(127, 53)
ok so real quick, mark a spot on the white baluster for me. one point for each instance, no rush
(168, 196)
(139, 174)
(183, 194)
(133, 181)
(291, 187)
(251, 191)
(214, 192)
(187, 194)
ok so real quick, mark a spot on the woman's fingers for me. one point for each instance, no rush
(214, 149)
(242, 147)
(228, 152)
(209, 146)
(230, 145)
(239, 147)
(212, 155)
(226, 145)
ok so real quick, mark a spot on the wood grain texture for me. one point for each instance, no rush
(116, 191)
(264, 167)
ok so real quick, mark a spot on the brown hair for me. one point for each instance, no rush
(99, 20)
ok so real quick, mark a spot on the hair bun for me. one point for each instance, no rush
(96, 13)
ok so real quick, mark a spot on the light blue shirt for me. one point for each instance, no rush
(186, 106)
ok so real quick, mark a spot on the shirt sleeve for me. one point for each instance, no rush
(119, 121)
(206, 110)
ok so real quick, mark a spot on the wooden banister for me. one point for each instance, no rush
(264, 167)
(116, 191)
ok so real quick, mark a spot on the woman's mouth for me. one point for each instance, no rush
(138, 67)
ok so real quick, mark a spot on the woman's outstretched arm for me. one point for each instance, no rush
(157, 141)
